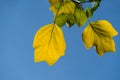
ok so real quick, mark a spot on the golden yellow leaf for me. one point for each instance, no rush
(99, 34)
(49, 44)
(67, 7)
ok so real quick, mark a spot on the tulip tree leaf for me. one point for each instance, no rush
(70, 20)
(89, 13)
(49, 44)
(80, 16)
(61, 19)
(67, 7)
(99, 34)
(65, 18)
(96, 5)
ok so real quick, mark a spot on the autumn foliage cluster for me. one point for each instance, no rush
(49, 43)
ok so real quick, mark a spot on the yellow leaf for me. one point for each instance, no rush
(99, 34)
(67, 7)
(49, 44)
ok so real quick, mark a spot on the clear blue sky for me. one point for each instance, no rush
(20, 19)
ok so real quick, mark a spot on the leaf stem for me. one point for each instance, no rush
(54, 22)
(57, 12)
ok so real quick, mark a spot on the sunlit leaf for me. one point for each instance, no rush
(80, 15)
(99, 34)
(56, 7)
(49, 44)
(67, 7)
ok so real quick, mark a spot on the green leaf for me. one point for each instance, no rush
(89, 12)
(70, 20)
(66, 12)
(49, 44)
(99, 34)
(80, 15)
(61, 19)
(81, 0)
(96, 5)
